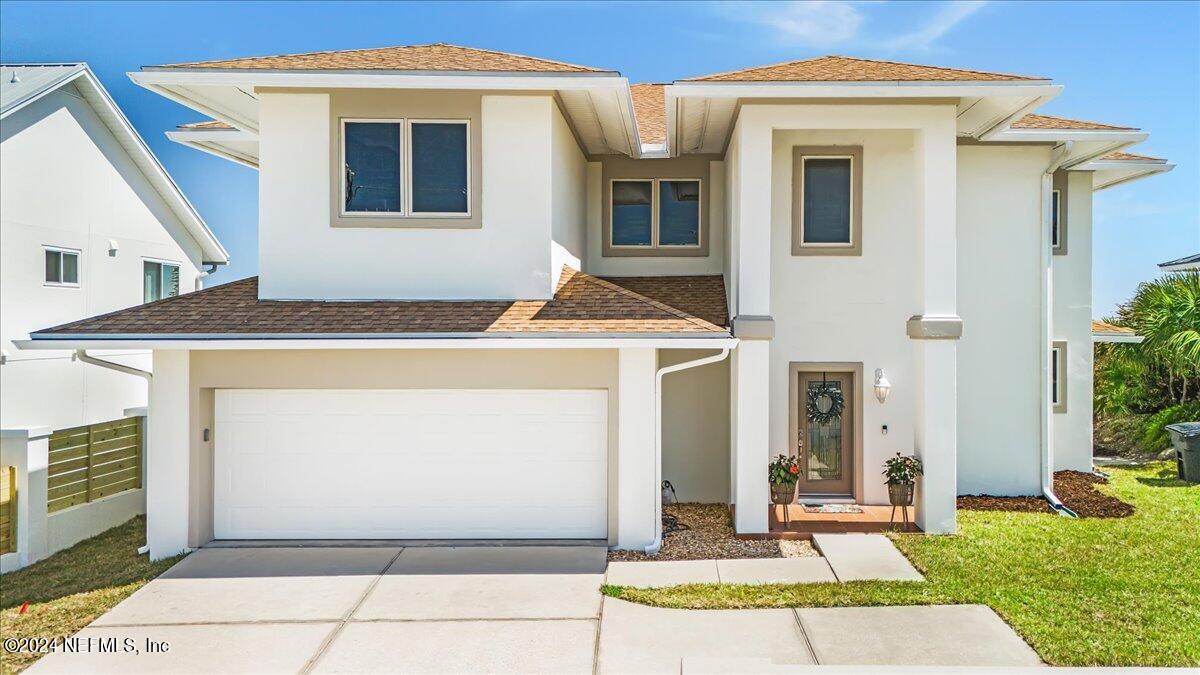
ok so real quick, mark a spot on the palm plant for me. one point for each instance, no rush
(1166, 312)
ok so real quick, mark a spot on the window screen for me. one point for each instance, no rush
(439, 167)
(372, 170)
(679, 213)
(827, 200)
(632, 213)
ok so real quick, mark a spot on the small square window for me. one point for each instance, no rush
(159, 280)
(632, 213)
(62, 267)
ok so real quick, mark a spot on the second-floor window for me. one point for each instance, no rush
(827, 201)
(159, 280)
(406, 167)
(1056, 219)
(655, 213)
(62, 266)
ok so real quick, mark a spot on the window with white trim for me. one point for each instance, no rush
(62, 266)
(160, 279)
(1056, 219)
(401, 167)
(655, 213)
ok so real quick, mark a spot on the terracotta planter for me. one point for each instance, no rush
(783, 493)
(900, 494)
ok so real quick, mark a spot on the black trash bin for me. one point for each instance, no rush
(1185, 436)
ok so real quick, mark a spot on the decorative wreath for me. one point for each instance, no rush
(825, 403)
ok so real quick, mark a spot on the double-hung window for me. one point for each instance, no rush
(160, 280)
(62, 266)
(827, 201)
(661, 214)
(406, 168)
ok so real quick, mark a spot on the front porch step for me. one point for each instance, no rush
(861, 557)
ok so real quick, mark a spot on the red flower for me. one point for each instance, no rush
(794, 469)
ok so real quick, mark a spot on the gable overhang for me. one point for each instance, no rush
(1082, 145)
(94, 93)
(1107, 173)
(598, 105)
(701, 115)
(234, 145)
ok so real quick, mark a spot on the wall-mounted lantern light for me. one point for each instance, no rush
(882, 386)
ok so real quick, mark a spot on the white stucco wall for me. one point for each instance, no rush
(695, 427)
(302, 256)
(1072, 312)
(67, 182)
(853, 308)
(999, 197)
(568, 195)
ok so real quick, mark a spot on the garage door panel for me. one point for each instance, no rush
(411, 464)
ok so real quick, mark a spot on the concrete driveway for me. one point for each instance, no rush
(497, 609)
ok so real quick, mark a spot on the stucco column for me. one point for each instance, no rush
(28, 451)
(167, 455)
(638, 496)
(937, 327)
(749, 400)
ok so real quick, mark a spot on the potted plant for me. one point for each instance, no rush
(783, 473)
(901, 472)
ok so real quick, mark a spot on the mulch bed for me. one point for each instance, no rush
(1076, 490)
(705, 532)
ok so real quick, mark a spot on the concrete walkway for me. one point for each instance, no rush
(485, 609)
(846, 557)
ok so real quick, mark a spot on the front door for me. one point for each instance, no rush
(825, 434)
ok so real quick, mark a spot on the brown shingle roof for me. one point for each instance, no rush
(207, 124)
(581, 304)
(848, 69)
(649, 104)
(438, 56)
(1049, 122)
(1130, 157)
(1104, 327)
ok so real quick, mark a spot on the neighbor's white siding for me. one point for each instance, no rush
(999, 386)
(1072, 311)
(302, 256)
(67, 182)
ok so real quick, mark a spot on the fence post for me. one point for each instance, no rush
(27, 450)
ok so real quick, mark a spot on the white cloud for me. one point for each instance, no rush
(923, 38)
(824, 24)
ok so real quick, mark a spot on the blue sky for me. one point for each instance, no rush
(1132, 64)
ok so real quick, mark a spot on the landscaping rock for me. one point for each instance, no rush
(706, 533)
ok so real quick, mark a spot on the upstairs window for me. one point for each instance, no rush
(826, 201)
(1060, 218)
(406, 168)
(62, 266)
(159, 280)
(655, 213)
(1056, 220)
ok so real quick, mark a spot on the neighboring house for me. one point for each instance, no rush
(1102, 331)
(90, 223)
(484, 279)
(1191, 262)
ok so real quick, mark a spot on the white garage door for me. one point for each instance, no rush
(410, 464)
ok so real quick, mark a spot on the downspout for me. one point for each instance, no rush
(1046, 323)
(658, 377)
(212, 267)
(82, 355)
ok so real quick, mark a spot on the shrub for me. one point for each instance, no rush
(1155, 437)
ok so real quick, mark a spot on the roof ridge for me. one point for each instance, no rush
(860, 59)
(372, 49)
(604, 283)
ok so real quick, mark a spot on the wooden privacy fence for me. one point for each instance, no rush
(8, 509)
(94, 461)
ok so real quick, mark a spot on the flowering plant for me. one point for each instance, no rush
(784, 470)
(902, 470)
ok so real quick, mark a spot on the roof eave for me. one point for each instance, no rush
(686, 340)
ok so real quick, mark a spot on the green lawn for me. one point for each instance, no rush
(1089, 592)
(71, 588)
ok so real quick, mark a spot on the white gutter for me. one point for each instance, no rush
(658, 377)
(82, 355)
(1045, 328)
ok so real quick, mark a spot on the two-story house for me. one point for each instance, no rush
(503, 297)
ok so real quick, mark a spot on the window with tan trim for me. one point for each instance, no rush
(827, 200)
(1058, 376)
(1059, 215)
(655, 213)
(406, 167)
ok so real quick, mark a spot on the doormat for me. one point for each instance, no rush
(832, 508)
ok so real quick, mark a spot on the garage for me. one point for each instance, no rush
(410, 464)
